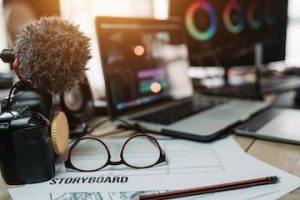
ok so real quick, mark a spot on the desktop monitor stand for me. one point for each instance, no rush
(256, 87)
(258, 64)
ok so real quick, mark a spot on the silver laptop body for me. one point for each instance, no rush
(145, 65)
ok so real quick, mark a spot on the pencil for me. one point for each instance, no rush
(212, 188)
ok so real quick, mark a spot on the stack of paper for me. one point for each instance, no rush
(190, 164)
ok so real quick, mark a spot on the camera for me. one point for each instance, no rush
(50, 69)
(25, 147)
(33, 132)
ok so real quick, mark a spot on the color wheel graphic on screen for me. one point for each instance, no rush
(270, 14)
(254, 16)
(233, 17)
(201, 20)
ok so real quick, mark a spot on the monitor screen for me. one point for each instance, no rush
(224, 32)
(144, 62)
(274, 32)
(201, 23)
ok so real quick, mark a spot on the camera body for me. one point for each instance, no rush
(34, 131)
(33, 100)
(26, 153)
(27, 146)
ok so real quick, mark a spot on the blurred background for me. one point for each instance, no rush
(15, 13)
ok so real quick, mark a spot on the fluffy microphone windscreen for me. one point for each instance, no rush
(52, 53)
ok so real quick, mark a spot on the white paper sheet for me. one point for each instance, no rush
(190, 164)
(242, 194)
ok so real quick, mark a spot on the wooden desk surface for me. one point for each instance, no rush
(282, 156)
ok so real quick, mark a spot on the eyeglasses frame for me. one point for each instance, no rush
(161, 159)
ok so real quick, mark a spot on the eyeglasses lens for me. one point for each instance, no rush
(141, 151)
(89, 154)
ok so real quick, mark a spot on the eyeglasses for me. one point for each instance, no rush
(90, 154)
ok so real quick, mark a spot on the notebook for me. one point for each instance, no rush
(145, 66)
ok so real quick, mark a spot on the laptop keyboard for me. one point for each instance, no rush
(179, 112)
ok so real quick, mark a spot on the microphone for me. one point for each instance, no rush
(7, 55)
(49, 58)
(52, 53)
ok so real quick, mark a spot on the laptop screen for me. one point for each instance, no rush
(144, 62)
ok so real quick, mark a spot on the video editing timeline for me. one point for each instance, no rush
(132, 59)
(224, 32)
(152, 81)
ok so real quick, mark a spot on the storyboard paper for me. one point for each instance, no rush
(189, 164)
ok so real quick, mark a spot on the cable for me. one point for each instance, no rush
(125, 123)
(12, 89)
(89, 131)
(21, 83)
(109, 133)
(125, 126)
(251, 144)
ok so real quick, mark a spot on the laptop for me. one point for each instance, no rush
(145, 66)
(277, 124)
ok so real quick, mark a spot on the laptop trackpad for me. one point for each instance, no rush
(285, 125)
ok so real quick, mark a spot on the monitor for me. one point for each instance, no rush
(201, 23)
(276, 17)
(224, 32)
